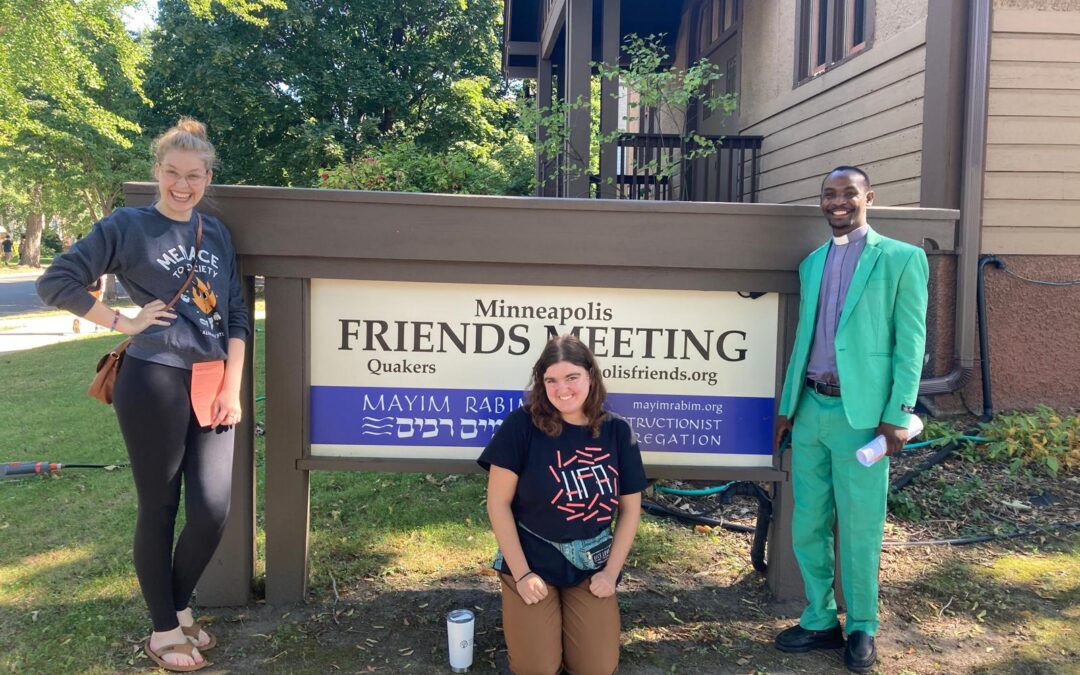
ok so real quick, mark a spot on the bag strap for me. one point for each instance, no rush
(191, 274)
(558, 545)
(553, 543)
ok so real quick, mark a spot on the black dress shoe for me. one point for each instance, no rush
(860, 653)
(797, 639)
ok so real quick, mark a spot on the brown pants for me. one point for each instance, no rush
(570, 628)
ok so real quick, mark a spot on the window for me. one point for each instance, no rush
(854, 26)
(710, 93)
(704, 27)
(714, 19)
(829, 32)
(729, 81)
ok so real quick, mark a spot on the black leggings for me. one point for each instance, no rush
(165, 442)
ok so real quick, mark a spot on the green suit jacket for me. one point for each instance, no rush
(881, 337)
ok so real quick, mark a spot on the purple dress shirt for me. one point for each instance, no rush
(840, 265)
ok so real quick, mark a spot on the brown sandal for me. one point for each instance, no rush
(184, 648)
(192, 633)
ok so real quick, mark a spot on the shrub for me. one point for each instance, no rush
(903, 506)
(51, 246)
(465, 168)
(1040, 441)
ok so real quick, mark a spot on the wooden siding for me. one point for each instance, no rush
(1032, 184)
(869, 115)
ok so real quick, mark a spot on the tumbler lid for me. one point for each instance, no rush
(459, 616)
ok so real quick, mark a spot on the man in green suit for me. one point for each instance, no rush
(854, 374)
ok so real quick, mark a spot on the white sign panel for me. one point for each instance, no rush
(425, 370)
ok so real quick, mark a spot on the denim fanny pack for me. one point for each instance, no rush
(584, 554)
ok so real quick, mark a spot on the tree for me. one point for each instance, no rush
(325, 81)
(46, 59)
(64, 126)
(63, 68)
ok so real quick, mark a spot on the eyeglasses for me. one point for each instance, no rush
(191, 178)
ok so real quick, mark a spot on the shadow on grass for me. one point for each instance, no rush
(1022, 603)
(1025, 665)
(70, 616)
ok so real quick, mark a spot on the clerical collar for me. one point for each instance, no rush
(854, 235)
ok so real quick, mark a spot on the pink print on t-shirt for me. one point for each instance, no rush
(586, 488)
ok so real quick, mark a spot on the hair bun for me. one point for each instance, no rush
(192, 126)
(189, 134)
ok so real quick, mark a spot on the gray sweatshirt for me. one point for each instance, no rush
(152, 255)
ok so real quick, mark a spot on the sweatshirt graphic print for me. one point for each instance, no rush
(200, 293)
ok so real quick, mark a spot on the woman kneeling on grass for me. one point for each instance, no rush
(561, 468)
(171, 435)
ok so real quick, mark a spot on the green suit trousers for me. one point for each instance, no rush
(828, 480)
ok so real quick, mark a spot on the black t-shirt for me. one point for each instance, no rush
(568, 486)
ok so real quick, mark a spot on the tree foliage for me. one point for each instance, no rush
(668, 90)
(66, 130)
(47, 50)
(327, 81)
(251, 11)
(489, 156)
(287, 92)
(71, 89)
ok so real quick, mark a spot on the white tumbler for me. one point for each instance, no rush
(875, 449)
(459, 633)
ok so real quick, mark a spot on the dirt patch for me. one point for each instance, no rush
(939, 614)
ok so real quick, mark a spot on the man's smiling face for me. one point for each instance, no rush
(844, 198)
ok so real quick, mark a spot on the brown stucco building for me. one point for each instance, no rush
(946, 103)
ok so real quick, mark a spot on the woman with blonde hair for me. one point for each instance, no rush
(189, 337)
(561, 470)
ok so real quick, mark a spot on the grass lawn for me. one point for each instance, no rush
(390, 553)
(15, 268)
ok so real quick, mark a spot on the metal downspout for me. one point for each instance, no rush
(971, 200)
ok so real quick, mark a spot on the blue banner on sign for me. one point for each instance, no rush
(469, 418)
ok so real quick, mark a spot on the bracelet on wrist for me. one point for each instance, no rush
(115, 319)
(522, 577)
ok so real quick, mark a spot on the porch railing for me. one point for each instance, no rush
(663, 167)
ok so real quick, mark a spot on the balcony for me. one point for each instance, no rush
(666, 167)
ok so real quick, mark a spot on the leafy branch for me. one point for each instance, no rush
(664, 92)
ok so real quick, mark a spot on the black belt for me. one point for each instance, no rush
(823, 388)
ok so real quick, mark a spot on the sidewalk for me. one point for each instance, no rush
(20, 275)
(20, 332)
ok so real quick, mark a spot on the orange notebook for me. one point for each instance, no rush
(206, 379)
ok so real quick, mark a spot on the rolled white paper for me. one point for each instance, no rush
(875, 449)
